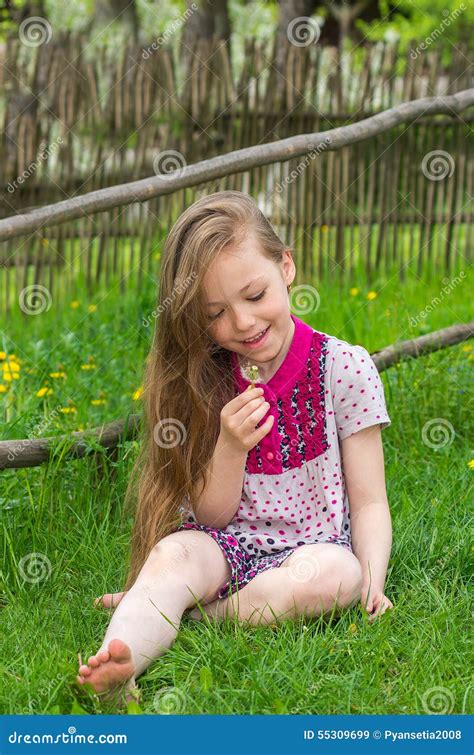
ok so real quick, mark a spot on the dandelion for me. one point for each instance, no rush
(44, 391)
(371, 295)
(2, 356)
(57, 375)
(468, 347)
(470, 464)
(92, 307)
(98, 401)
(3, 388)
(74, 304)
(353, 291)
(138, 393)
(68, 410)
(88, 366)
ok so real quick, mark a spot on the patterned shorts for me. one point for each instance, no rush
(244, 567)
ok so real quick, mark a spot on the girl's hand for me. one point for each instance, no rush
(374, 601)
(239, 419)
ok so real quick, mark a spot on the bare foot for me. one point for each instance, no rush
(108, 669)
(109, 600)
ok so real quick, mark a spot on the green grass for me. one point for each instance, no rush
(74, 517)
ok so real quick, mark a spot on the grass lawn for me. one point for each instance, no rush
(88, 355)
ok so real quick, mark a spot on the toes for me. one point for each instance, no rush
(119, 651)
(103, 656)
(93, 661)
(85, 670)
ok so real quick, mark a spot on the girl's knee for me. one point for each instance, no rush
(336, 577)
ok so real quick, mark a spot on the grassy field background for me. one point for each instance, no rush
(86, 356)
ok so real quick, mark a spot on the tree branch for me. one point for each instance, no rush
(15, 454)
(234, 162)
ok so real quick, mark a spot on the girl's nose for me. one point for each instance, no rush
(244, 323)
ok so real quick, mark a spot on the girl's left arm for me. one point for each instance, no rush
(371, 525)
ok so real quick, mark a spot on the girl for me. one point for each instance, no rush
(262, 502)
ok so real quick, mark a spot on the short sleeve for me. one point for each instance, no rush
(357, 391)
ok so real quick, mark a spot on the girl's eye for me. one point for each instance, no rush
(255, 298)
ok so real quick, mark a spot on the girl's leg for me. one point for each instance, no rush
(308, 582)
(182, 568)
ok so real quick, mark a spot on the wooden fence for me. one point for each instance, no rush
(83, 125)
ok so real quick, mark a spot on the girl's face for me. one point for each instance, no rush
(246, 293)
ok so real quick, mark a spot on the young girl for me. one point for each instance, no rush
(265, 501)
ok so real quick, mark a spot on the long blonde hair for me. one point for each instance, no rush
(188, 377)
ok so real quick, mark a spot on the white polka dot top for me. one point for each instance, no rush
(293, 489)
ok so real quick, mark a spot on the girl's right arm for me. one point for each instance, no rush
(219, 501)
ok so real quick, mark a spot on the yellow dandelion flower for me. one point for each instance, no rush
(88, 366)
(353, 291)
(8, 376)
(92, 307)
(138, 394)
(3, 388)
(470, 464)
(468, 347)
(74, 304)
(68, 410)
(44, 391)
(2, 356)
(98, 401)
(57, 375)
(371, 295)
